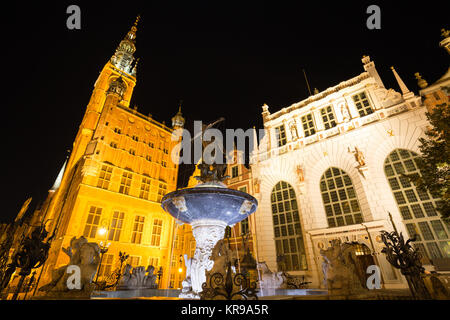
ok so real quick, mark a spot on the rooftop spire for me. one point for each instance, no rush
(123, 57)
(405, 91)
(131, 35)
(59, 178)
(178, 120)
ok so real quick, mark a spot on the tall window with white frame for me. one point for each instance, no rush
(417, 207)
(289, 243)
(362, 104)
(280, 135)
(244, 226)
(104, 177)
(116, 225)
(308, 125)
(134, 261)
(156, 232)
(92, 222)
(145, 188)
(153, 261)
(125, 183)
(161, 191)
(138, 229)
(328, 118)
(106, 266)
(339, 198)
(244, 223)
(234, 171)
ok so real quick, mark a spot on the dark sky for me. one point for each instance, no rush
(222, 58)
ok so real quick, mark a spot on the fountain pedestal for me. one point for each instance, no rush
(206, 233)
(208, 208)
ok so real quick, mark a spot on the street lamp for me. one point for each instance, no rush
(180, 269)
(102, 231)
(103, 250)
(159, 273)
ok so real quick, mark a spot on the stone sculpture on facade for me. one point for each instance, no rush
(300, 173)
(85, 255)
(340, 269)
(359, 156)
(345, 113)
(294, 132)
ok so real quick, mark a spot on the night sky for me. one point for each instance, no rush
(221, 58)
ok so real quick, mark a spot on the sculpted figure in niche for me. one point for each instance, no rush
(345, 113)
(300, 173)
(294, 132)
(359, 156)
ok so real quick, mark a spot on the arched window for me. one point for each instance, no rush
(416, 207)
(288, 232)
(339, 198)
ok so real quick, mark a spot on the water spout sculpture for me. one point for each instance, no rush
(208, 207)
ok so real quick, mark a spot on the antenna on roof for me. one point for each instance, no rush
(307, 83)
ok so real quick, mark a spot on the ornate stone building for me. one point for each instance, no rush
(119, 169)
(438, 92)
(330, 167)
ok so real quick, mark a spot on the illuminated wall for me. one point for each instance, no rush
(119, 169)
(350, 129)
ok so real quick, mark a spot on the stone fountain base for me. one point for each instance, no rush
(207, 232)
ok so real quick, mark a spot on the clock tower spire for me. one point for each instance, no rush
(123, 57)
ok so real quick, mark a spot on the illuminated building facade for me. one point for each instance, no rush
(331, 167)
(437, 93)
(112, 184)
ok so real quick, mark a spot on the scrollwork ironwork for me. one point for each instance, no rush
(220, 286)
(401, 255)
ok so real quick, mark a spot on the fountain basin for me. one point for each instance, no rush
(209, 202)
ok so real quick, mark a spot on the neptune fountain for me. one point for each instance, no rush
(208, 207)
